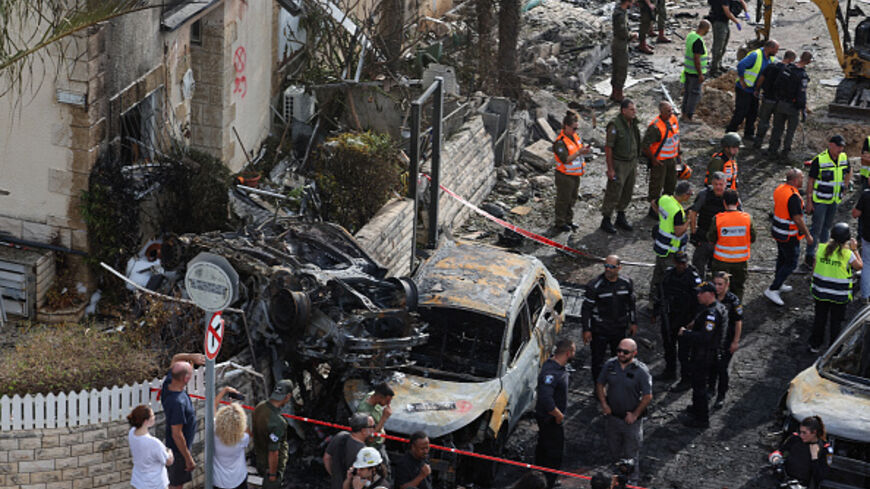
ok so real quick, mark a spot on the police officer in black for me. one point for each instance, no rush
(550, 408)
(608, 313)
(729, 341)
(703, 333)
(676, 307)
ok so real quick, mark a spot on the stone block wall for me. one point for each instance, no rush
(95, 456)
(467, 168)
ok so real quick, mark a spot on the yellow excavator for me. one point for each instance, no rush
(853, 92)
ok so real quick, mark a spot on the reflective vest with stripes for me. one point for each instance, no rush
(832, 275)
(671, 145)
(865, 170)
(576, 167)
(828, 187)
(729, 168)
(689, 62)
(783, 227)
(751, 73)
(734, 239)
(665, 240)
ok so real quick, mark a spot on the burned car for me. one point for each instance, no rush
(492, 317)
(837, 388)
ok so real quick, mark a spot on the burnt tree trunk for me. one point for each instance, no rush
(390, 30)
(508, 32)
(484, 44)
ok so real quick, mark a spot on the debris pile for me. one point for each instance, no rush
(717, 100)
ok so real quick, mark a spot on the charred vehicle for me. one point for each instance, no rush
(492, 317)
(837, 388)
(316, 305)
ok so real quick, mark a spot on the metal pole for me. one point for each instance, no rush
(437, 111)
(413, 170)
(209, 417)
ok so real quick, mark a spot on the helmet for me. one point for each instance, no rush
(684, 171)
(367, 457)
(731, 140)
(840, 232)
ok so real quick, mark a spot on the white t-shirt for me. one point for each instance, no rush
(230, 468)
(149, 461)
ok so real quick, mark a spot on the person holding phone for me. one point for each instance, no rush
(231, 438)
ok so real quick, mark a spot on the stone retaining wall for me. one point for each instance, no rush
(467, 168)
(95, 456)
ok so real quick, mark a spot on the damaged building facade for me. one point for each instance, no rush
(180, 73)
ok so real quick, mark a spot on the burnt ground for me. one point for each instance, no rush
(732, 452)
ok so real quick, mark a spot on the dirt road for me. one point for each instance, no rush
(732, 451)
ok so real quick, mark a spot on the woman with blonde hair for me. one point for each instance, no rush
(231, 437)
(150, 455)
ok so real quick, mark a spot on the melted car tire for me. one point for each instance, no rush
(289, 310)
(409, 288)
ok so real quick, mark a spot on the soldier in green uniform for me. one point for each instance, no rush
(271, 448)
(619, 48)
(622, 148)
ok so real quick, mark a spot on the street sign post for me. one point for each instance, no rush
(213, 285)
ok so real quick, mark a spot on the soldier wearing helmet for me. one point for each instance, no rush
(832, 283)
(366, 471)
(725, 160)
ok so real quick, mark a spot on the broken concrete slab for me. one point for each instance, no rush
(539, 155)
(544, 127)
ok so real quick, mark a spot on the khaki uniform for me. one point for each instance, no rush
(623, 137)
(662, 178)
(619, 47)
(269, 431)
(567, 188)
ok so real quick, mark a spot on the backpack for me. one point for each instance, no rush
(788, 84)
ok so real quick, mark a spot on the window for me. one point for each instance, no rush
(519, 334)
(138, 130)
(536, 302)
(852, 358)
(196, 33)
(460, 342)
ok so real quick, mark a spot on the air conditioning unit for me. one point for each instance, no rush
(298, 105)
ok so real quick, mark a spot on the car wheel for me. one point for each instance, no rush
(485, 471)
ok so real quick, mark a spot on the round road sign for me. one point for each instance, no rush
(214, 336)
(211, 282)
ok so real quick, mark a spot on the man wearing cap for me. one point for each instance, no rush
(732, 234)
(344, 447)
(708, 203)
(829, 174)
(703, 334)
(671, 235)
(180, 416)
(269, 430)
(675, 308)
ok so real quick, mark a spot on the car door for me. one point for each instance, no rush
(520, 378)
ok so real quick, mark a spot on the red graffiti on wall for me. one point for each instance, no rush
(240, 58)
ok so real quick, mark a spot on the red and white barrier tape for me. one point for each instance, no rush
(431, 445)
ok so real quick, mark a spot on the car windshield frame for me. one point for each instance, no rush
(825, 364)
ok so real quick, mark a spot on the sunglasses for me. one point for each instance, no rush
(624, 351)
(610, 267)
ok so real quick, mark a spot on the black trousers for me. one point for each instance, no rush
(676, 348)
(598, 345)
(745, 108)
(719, 373)
(701, 357)
(551, 447)
(824, 310)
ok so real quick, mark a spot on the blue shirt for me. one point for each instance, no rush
(746, 63)
(178, 409)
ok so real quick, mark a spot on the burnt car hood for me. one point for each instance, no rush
(845, 411)
(438, 407)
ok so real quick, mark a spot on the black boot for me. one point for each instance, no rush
(622, 222)
(607, 226)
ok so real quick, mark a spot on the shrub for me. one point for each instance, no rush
(356, 174)
(72, 358)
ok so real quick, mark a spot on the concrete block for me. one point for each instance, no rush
(55, 452)
(101, 468)
(35, 466)
(539, 155)
(83, 483)
(19, 479)
(14, 227)
(106, 479)
(29, 442)
(70, 439)
(66, 463)
(33, 486)
(50, 476)
(91, 459)
(42, 233)
(50, 441)
(63, 484)
(21, 455)
(74, 473)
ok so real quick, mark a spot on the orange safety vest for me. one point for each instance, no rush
(671, 145)
(578, 166)
(783, 227)
(734, 239)
(730, 171)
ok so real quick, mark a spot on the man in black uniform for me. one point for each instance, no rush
(765, 92)
(608, 313)
(729, 341)
(550, 408)
(674, 307)
(703, 333)
(708, 203)
(791, 94)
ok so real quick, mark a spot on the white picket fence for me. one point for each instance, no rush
(85, 407)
